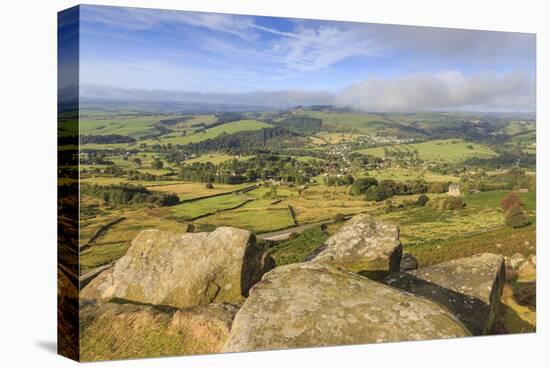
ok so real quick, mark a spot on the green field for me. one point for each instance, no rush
(190, 190)
(362, 122)
(449, 150)
(258, 220)
(228, 128)
(134, 126)
(205, 206)
(143, 126)
(403, 174)
(426, 228)
(215, 158)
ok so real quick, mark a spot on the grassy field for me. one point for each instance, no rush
(362, 122)
(89, 179)
(449, 150)
(190, 190)
(333, 138)
(402, 174)
(210, 205)
(296, 249)
(257, 220)
(140, 127)
(229, 128)
(134, 126)
(216, 158)
(435, 236)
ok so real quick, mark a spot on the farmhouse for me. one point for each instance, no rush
(454, 190)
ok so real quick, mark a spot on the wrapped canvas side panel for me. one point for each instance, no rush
(68, 187)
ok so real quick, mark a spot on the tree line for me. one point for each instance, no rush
(129, 194)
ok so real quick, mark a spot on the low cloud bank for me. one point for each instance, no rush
(451, 90)
(409, 93)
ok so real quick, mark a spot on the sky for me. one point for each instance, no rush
(146, 54)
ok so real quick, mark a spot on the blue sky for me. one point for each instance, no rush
(368, 66)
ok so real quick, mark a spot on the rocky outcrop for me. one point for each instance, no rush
(408, 262)
(362, 245)
(118, 331)
(310, 304)
(470, 288)
(523, 266)
(163, 268)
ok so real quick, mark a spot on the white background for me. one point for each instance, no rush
(28, 181)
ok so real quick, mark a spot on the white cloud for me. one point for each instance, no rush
(441, 91)
(135, 19)
(318, 48)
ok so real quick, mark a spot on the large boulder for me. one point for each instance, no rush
(308, 305)
(118, 331)
(164, 268)
(362, 245)
(468, 287)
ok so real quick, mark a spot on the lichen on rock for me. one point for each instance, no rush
(164, 268)
(310, 304)
(362, 245)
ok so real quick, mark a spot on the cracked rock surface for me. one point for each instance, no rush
(308, 304)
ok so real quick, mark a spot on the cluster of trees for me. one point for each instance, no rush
(303, 125)
(386, 189)
(514, 213)
(94, 160)
(361, 185)
(341, 180)
(245, 142)
(174, 120)
(157, 164)
(375, 190)
(223, 118)
(242, 142)
(106, 139)
(512, 179)
(505, 159)
(261, 166)
(130, 174)
(129, 194)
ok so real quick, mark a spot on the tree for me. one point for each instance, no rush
(385, 190)
(516, 218)
(422, 200)
(137, 161)
(157, 164)
(361, 185)
(511, 201)
(370, 195)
